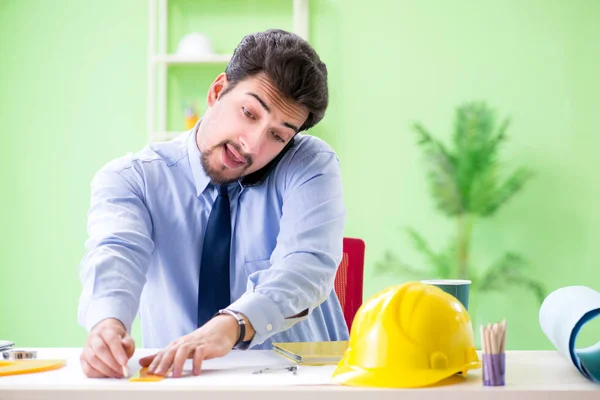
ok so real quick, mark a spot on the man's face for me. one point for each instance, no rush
(246, 128)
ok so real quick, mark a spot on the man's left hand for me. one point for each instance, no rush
(215, 339)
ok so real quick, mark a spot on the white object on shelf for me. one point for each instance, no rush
(159, 60)
(194, 44)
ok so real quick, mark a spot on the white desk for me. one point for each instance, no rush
(530, 375)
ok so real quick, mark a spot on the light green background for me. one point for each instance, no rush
(73, 96)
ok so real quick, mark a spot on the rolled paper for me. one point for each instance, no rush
(562, 315)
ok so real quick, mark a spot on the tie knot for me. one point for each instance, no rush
(223, 190)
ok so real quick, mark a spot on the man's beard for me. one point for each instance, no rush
(216, 174)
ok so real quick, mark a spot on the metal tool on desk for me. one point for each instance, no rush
(5, 345)
(10, 353)
(291, 368)
(19, 354)
(17, 362)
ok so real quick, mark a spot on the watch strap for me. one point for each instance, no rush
(241, 324)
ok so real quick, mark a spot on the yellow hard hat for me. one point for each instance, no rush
(409, 335)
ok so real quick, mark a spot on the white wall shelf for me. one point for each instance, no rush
(159, 61)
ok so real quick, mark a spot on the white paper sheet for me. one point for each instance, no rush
(234, 370)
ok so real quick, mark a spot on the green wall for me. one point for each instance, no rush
(73, 96)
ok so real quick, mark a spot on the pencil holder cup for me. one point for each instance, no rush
(494, 369)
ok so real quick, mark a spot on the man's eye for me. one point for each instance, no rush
(247, 113)
(278, 138)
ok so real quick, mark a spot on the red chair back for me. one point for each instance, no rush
(349, 278)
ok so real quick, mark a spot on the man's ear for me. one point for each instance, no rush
(217, 87)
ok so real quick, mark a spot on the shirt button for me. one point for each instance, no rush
(269, 327)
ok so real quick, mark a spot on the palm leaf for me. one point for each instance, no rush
(441, 173)
(391, 264)
(485, 182)
(483, 192)
(508, 189)
(477, 143)
(509, 270)
(472, 129)
(439, 263)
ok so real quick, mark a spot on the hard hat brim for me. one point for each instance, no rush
(389, 378)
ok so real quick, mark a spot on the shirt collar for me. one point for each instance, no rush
(202, 180)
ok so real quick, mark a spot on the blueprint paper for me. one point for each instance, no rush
(562, 315)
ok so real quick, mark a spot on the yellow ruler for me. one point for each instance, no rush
(144, 376)
(18, 367)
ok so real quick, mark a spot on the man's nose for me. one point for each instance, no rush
(251, 141)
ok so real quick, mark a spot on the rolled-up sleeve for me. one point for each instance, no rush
(308, 251)
(118, 249)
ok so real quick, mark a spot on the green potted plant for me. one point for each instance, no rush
(465, 184)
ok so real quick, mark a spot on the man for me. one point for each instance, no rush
(228, 236)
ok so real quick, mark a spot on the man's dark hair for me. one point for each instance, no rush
(291, 64)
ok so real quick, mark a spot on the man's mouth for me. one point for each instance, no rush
(231, 158)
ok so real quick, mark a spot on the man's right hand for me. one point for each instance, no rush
(107, 350)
